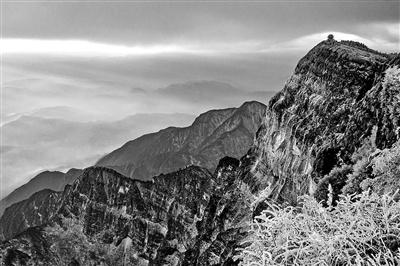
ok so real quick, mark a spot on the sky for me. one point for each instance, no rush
(108, 60)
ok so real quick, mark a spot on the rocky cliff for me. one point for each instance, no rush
(214, 134)
(337, 98)
(182, 217)
(326, 110)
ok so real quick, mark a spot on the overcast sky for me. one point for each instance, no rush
(205, 25)
(117, 45)
(253, 44)
(108, 58)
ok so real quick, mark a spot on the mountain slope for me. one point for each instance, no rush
(53, 180)
(29, 212)
(214, 134)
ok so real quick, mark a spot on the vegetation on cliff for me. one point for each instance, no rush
(358, 230)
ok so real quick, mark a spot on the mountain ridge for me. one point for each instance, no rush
(82, 145)
(174, 147)
(209, 120)
(54, 180)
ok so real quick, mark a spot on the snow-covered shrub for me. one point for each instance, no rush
(359, 230)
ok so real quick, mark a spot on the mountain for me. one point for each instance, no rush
(338, 100)
(161, 216)
(29, 212)
(53, 180)
(214, 134)
(35, 144)
(341, 96)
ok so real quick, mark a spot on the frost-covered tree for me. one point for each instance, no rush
(358, 230)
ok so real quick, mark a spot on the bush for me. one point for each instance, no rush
(359, 230)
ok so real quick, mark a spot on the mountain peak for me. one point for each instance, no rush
(346, 50)
(251, 105)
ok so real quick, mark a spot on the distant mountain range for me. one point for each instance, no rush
(53, 112)
(53, 180)
(214, 134)
(31, 133)
(111, 101)
(35, 143)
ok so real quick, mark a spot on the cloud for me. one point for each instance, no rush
(172, 22)
(383, 31)
(385, 38)
(84, 48)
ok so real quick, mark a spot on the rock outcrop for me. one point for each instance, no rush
(336, 97)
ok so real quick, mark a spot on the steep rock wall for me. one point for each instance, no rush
(327, 108)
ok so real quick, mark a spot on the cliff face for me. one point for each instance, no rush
(335, 99)
(214, 134)
(155, 215)
(182, 218)
(324, 113)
